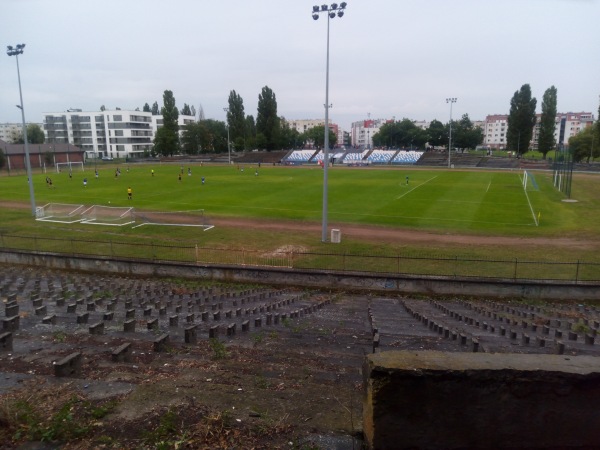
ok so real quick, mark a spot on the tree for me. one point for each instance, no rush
(584, 145)
(267, 121)
(186, 111)
(102, 108)
(166, 140)
(403, 134)
(437, 134)
(2, 159)
(465, 134)
(193, 111)
(146, 108)
(289, 137)
(35, 135)
(236, 118)
(546, 141)
(521, 120)
(249, 133)
(155, 111)
(316, 135)
(196, 138)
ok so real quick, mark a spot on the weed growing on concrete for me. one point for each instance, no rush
(59, 336)
(218, 348)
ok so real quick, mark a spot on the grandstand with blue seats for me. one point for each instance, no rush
(300, 156)
(355, 157)
(406, 157)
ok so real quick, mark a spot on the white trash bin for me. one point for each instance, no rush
(336, 236)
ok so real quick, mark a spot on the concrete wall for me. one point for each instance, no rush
(481, 401)
(317, 279)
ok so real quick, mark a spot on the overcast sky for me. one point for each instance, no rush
(388, 58)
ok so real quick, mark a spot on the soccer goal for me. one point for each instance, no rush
(108, 215)
(69, 166)
(59, 212)
(188, 218)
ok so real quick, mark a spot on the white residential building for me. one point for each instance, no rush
(494, 131)
(11, 131)
(363, 131)
(303, 125)
(566, 126)
(115, 133)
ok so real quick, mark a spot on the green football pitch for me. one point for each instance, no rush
(486, 202)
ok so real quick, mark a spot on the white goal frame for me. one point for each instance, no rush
(69, 165)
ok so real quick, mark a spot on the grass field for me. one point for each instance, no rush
(488, 202)
(485, 203)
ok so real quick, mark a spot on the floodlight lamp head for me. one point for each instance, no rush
(340, 13)
(324, 7)
(8, 48)
(334, 6)
(343, 5)
(316, 16)
(316, 8)
(332, 15)
(20, 46)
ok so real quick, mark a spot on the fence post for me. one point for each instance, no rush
(35, 244)
(577, 272)
(398, 266)
(72, 249)
(196, 251)
(111, 249)
(516, 263)
(344, 261)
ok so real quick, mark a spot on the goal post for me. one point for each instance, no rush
(69, 166)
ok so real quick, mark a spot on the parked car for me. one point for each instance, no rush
(107, 158)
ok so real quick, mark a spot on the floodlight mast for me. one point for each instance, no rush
(228, 144)
(16, 51)
(331, 11)
(451, 101)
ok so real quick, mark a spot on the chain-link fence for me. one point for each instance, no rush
(411, 265)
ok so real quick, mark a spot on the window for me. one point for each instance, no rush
(117, 118)
(118, 132)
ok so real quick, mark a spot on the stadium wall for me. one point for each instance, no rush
(400, 284)
(431, 399)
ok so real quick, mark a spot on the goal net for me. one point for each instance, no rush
(188, 218)
(68, 166)
(59, 212)
(108, 215)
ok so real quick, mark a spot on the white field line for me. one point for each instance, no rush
(529, 202)
(488, 187)
(531, 208)
(418, 186)
(206, 227)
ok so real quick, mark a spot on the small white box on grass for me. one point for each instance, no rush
(336, 236)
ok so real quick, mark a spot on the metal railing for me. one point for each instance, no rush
(409, 265)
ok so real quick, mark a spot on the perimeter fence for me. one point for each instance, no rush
(400, 264)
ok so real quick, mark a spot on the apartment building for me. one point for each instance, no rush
(363, 131)
(566, 126)
(494, 131)
(11, 131)
(115, 133)
(303, 125)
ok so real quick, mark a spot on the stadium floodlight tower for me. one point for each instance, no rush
(16, 51)
(332, 11)
(451, 100)
(228, 144)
